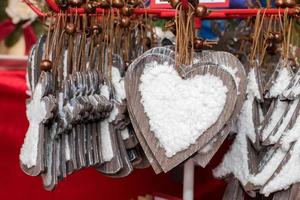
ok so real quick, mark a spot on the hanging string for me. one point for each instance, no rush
(99, 23)
(259, 3)
(265, 41)
(282, 30)
(178, 30)
(111, 44)
(54, 47)
(184, 21)
(58, 43)
(92, 45)
(288, 37)
(252, 50)
(83, 64)
(189, 35)
(257, 32)
(286, 28)
(81, 56)
(118, 34)
(47, 47)
(70, 66)
(104, 24)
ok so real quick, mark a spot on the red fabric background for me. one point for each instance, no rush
(86, 184)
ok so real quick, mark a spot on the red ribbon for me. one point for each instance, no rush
(7, 27)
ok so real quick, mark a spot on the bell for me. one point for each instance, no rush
(127, 63)
(127, 11)
(289, 3)
(278, 38)
(75, 3)
(96, 29)
(125, 21)
(279, 3)
(117, 3)
(198, 44)
(70, 28)
(124, 52)
(271, 49)
(201, 11)
(46, 65)
(174, 3)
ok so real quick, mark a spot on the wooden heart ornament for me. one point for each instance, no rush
(177, 111)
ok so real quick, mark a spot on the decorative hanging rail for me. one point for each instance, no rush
(169, 13)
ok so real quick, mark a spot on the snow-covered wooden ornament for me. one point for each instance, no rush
(169, 140)
(230, 63)
(39, 111)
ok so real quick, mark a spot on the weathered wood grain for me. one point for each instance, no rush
(132, 81)
(267, 141)
(115, 164)
(281, 165)
(152, 160)
(126, 165)
(230, 63)
(233, 190)
(295, 191)
(144, 163)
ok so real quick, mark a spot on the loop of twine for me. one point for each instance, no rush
(184, 21)
(286, 29)
(256, 46)
(265, 41)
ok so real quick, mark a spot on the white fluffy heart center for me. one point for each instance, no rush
(179, 110)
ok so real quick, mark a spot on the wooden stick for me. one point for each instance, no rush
(188, 180)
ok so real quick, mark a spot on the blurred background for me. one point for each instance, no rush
(19, 30)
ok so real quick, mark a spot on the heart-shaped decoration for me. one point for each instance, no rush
(177, 113)
(231, 64)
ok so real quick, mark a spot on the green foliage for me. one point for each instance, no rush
(38, 27)
(13, 38)
(159, 23)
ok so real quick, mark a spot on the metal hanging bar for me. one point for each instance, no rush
(170, 13)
